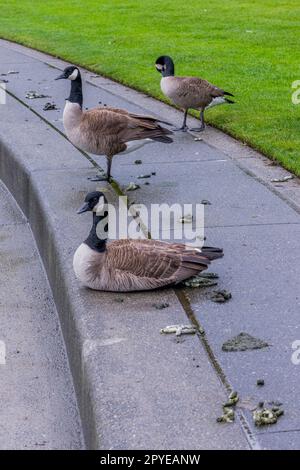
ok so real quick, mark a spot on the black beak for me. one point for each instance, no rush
(84, 208)
(60, 77)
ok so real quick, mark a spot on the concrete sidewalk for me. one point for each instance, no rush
(137, 389)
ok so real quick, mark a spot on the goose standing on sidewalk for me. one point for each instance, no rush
(133, 264)
(189, 92)
(106, 131)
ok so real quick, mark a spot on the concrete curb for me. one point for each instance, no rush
(39, 403)
(21, 184)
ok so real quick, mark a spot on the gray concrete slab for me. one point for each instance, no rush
(265, 304)
(236, 198)
(281, 440)
(39, 409)
(139, 380)
(243, 212)
(12, 57)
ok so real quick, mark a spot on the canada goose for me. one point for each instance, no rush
(133, 265)
(106, 131)
(188, 92)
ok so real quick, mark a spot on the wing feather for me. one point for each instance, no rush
(152, 259)
(119, 126)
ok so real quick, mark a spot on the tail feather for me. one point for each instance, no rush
(196, 259)
(160, 134)
(212, 252)
(227, 93)
(195, 263)
(229, 101)
(149, 118)
(197, 267)
(153, 132)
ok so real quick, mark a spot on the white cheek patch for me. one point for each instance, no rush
(159, 67)
(99, 208)
(73, 75)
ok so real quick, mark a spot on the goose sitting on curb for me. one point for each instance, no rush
(106, 131)
(133, 264)
(189, 92)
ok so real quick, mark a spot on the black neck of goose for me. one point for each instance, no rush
(93, 241)
(170, 70)
(76, 91)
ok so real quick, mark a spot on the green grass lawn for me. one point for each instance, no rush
(251, 48)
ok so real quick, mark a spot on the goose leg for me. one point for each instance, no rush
(202, 127)
(184, 127)
(109, 162)
(106, 177)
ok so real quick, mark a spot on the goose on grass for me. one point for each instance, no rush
(189, 92)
